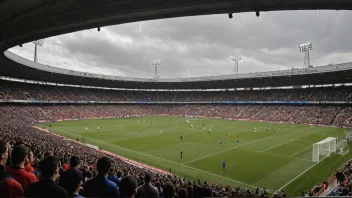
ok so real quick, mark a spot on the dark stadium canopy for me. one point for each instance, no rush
(22, 21)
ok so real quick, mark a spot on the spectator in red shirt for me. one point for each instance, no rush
(28, 165)
(9, 187)
(19, 155)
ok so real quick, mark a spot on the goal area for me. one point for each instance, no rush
(323, 148)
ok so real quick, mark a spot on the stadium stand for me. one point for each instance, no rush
(26, 91)
(16, 126)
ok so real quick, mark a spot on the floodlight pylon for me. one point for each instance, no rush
(156, 63)
(36, 43)
(306, 47)
(235, 58)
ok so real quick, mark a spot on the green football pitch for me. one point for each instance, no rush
(260, 159)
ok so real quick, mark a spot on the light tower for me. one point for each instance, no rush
(306, 47)
(40, 43)
(235, 58)
(156, 63)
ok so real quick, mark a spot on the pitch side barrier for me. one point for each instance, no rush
(204, 102)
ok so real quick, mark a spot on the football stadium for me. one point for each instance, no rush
(70, 132)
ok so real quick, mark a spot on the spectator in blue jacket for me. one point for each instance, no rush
(100, 186)
(114, 178)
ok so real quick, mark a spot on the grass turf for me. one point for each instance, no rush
(261, 158)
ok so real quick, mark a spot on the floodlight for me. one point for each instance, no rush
(235, 58)
(39, 42)
(306, 47)
(156, 63)
(36, 43)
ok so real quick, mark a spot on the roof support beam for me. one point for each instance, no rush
(167, 2)
(142, 3)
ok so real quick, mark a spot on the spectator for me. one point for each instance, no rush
(119, 175)
(100, 186)
(9, 187)
(207, 191)
(113, 178)
(340, 177)
(46, 187)
(29, 163)
(182, 193)
(190, 191)
(147, 189)
(73, 185)
(66, 177)
(128, 186)
(48, 153)
(169, 190)
(19, 155)
(87, 174)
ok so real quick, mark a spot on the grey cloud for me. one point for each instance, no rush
(201, 45)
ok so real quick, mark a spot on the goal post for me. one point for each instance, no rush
(323, 148)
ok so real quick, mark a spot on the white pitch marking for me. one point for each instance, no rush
(301, 151)
(227, 150)
(169, 161)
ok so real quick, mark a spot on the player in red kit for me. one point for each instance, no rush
(181, 154)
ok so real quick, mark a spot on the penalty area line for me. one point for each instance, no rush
(239, 182)
(225, 150)
(283, 143)
(300, 151)
(300, 175)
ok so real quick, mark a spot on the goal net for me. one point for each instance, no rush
(323, 148)
(341, 147)
(349, 137)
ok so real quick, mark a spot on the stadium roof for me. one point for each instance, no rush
(26, 69)
(22, 21)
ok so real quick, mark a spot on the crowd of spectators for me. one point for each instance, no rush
(339, 116)
(343, 177)
(340, 184)
(27, 91)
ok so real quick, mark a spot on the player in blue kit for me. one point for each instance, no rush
(223, 166)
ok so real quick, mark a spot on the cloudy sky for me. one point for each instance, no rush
(202, 45)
